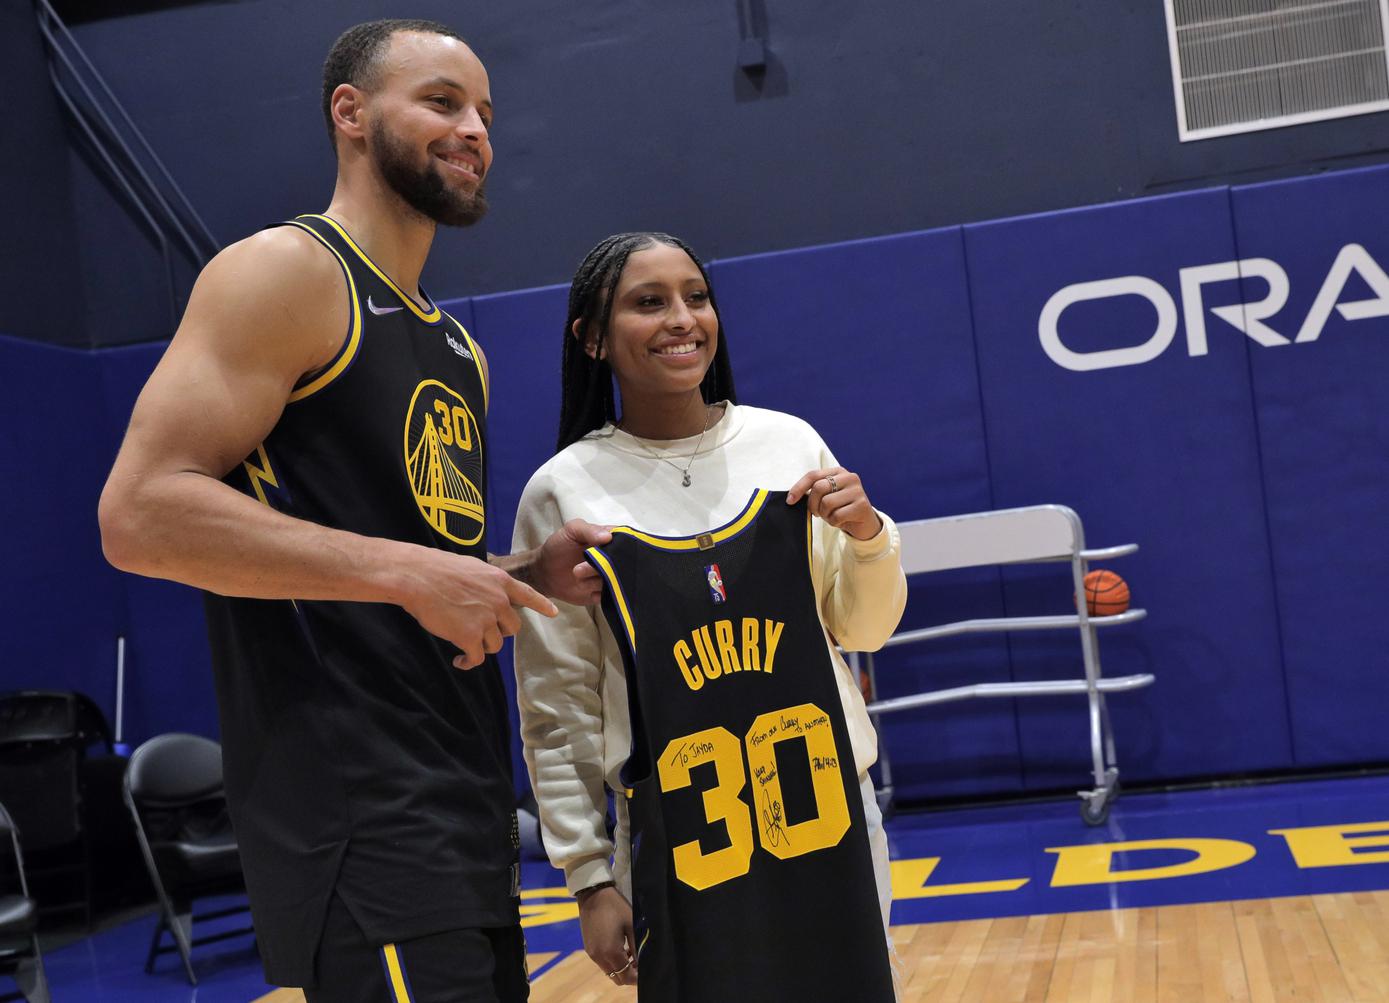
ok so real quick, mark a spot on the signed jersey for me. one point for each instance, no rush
(357, 758)
(752, 875)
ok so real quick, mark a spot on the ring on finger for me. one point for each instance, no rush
(834, 485)
(613, 975)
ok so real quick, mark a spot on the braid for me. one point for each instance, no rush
(586, 383)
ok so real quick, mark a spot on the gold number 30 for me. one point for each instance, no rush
(723, 802)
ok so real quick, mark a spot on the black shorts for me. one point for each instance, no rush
(486, 965)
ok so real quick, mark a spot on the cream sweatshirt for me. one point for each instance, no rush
(571, 684)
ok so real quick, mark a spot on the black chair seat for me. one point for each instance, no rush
(18, 915)
(199, 860)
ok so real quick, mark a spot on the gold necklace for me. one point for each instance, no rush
(685, 471)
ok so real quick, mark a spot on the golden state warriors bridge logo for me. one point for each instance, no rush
(443, 455)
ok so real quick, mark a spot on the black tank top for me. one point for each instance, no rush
(356, 756)
(752, 875)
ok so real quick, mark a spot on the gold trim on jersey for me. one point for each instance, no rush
(702, 541)
(354, 329)
(600, 560)
(432, 317)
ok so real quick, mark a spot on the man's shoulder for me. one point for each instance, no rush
(276, 254)
(276, 291)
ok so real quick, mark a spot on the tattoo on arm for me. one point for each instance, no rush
(519, 566)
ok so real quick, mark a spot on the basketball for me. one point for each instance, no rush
(1106, 594)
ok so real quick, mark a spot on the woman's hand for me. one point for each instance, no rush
(605, 920)
(837, 496)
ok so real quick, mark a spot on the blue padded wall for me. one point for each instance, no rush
(1324, 428)
(871, 343)
(1162, 453)
(62, 603)
(63, 413)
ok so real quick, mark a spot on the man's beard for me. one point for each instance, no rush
(424, 189)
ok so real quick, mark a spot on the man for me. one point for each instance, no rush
(368, 777)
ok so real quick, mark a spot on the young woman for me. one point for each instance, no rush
(680, 458)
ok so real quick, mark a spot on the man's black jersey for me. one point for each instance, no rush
(751, 870)
(356, 756)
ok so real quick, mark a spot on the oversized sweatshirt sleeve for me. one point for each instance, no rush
(558, 679)
(862, 587)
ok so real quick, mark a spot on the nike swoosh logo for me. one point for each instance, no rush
(382, 309)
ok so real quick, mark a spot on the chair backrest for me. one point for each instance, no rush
(1008, 536)
(173, 770)
(37, 716)
(29, 716)
(40, 759)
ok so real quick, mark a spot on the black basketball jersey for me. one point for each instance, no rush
(751, 871)
(355, 754)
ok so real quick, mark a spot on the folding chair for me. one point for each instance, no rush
(173, 788)
(44, 739)
(1036, 533)
(20, 957)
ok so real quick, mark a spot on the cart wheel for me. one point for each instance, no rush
(1095, 811)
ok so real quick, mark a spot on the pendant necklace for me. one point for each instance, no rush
(685, 471)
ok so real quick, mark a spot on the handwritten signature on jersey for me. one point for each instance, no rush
(773, 819)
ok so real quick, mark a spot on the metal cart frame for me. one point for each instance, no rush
(1038, 533)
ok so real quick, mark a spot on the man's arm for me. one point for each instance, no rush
(264, 312)
(551, 569)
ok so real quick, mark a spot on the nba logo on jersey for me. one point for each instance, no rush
(716, 590)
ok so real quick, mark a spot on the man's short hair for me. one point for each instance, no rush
(355, 57)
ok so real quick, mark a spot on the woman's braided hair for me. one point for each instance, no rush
(587, 401)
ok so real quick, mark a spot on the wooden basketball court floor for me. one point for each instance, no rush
(1277, 892)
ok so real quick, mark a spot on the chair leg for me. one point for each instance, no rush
(154, 943)
(32, 979)
(182, 929)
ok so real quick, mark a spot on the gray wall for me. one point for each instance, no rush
(873, 118)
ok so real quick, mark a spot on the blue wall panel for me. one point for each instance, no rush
(871, 343)
(63, 413)
(60, 603)
(1325, 433)
(1162, 453)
